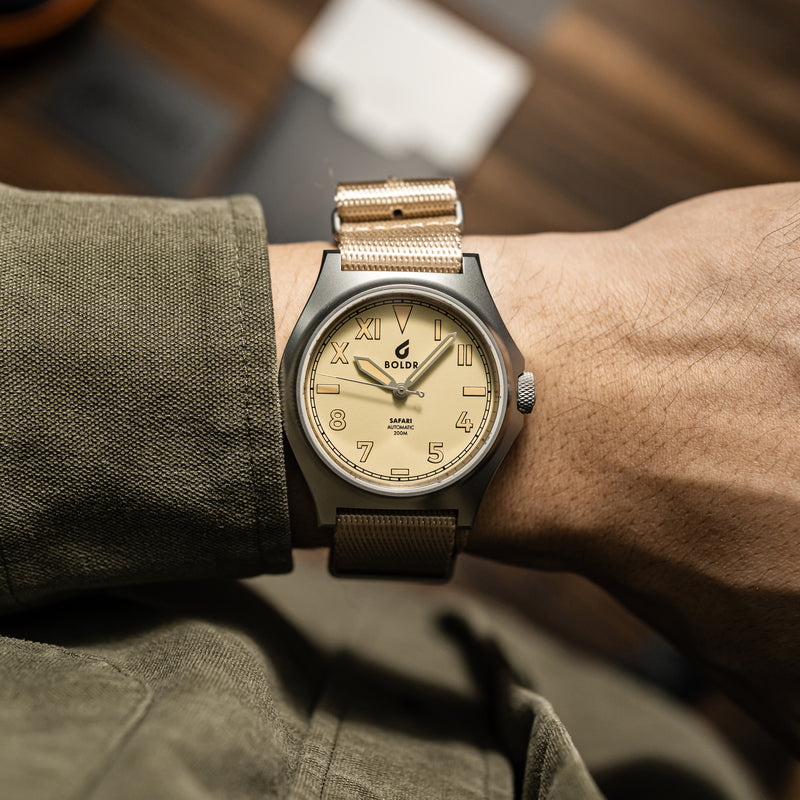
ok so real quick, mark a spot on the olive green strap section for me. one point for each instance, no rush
(410, 225)
(401, 545)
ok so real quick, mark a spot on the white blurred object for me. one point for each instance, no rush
(405, 76)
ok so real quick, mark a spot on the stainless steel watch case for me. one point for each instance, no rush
(333, 289)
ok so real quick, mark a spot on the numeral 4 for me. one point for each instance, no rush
(464, 422)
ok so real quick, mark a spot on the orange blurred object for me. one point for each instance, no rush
(36, 23)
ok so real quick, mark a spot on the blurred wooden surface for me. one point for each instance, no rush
(635, 105)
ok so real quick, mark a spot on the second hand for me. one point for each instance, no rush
(367, 383)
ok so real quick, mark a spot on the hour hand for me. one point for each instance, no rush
(369, 368)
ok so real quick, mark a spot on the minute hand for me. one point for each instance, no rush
(430, 359)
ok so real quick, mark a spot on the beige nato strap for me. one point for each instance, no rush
(399, 225)
(407, 225)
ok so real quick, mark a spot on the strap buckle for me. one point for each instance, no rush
(336, 224)
(459, 212)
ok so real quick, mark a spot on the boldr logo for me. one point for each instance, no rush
(401, 351)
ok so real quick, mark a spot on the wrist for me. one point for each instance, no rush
(550, 493)
(554, 493)
(293, 272)
(663, 356)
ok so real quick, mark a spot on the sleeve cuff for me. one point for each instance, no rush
(139, 407)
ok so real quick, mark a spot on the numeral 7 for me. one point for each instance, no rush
(366, 447)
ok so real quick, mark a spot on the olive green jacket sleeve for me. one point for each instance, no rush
(139, 416)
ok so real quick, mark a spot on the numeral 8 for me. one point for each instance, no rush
(337, 422)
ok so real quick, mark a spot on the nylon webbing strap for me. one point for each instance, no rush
(387, 544)
(399, 225)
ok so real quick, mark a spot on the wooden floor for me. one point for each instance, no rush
(636, 104)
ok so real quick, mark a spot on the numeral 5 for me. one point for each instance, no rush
(435, 452)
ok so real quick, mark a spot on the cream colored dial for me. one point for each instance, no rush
(402, 391)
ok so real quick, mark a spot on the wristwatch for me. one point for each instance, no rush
(402, 388)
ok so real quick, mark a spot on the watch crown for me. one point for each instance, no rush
(526, 393)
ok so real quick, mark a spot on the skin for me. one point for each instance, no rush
(663, 457)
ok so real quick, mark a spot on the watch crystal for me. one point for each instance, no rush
(401, 391)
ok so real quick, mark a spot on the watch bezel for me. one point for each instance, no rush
(480, 328)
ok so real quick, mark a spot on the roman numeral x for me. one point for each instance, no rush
(339, 355)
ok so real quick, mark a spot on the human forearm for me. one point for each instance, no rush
(664, 461)
(662, 456)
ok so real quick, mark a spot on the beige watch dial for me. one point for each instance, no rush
(401, 391)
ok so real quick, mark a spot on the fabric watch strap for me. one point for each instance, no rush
(383, 543)
(408, 225)
(399, 225)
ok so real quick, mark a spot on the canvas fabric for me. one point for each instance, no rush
(139, 409)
